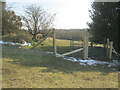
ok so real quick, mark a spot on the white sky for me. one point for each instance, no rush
(69, 13)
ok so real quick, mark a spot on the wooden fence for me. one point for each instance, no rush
(85, 47)
(109, 47)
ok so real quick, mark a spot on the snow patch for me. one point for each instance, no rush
(89, 62)
(49, 52)
(19, 47)
(25, 43)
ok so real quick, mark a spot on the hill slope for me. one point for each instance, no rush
(24, 68)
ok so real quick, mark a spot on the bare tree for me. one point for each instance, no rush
(37, 19)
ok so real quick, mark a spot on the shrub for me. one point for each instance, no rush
(18, 37)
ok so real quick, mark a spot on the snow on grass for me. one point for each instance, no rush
(89, 62)
(25, 43)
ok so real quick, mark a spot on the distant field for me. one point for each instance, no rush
(62, 42)
(24, 68)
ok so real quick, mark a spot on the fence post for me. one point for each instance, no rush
(78, 43)
(107, 47)
(54, 43)
(73, 43)
(1, 45)
(85, 47)
(70, 44)
(110, 51)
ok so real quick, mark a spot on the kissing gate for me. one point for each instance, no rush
(84, 49)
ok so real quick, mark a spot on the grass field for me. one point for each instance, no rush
(25, 68)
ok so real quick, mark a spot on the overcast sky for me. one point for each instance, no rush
(69, 13)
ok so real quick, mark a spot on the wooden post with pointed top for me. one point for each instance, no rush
(107, 47)
(70, 45)
(110, 51)
(54, 43)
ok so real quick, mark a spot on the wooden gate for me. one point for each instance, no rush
(85, 47)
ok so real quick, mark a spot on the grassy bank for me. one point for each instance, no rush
(24, 68)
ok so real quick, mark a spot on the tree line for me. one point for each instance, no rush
(104, 16)
(71, 34)
(104, 23)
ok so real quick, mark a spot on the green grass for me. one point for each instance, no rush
(24, 68)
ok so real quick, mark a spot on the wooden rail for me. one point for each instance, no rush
(68, 53)
(41, 41)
